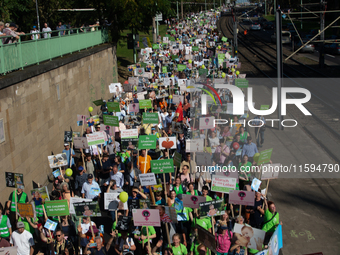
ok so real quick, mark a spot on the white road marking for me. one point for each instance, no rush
(330, 55)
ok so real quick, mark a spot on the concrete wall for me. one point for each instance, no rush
(35, 118)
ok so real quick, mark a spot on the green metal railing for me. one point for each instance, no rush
(22, 53)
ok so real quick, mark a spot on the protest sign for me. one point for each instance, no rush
(276, 242)
(144, 203)
(155, 46)
(264, 107)
(58, 160)
(241, 83)
(162, 166)
(115, 87)
(206, 122)
(206, 238)
(13, 180)
(246, 236)
(148, 179)
(77, 200)
(240, 197)
(177, 127)
(113, 107)
(57, 208)
(265, 156)
(146, 217)
(150, 118)
(228, 172)
(80, 143)
(203, 159)
(75, 135)
(129, 133)
(176, 99)
(194, 145)
(57, 173)
(82, 118)
(147, 142)
(145, 104)
(181, 67)
(40, 194)
(177, 159)
(167, 143)
(98, 102)
(129, 143)
(223, 184)
(255, 185)
(112, 202)
(87, 209)
(270, 171)
(95, 138)
(50, 225)
(9, 250)
(134, 107)
(123, 223)
(192, 201)
(67, 136)
(111, 120)
(25, 210)
(212, 208)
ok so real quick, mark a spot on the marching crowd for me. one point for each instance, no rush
(114, 167)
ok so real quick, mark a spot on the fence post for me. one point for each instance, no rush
(2, 60)
(60, 52)
(69, 39)
(20, 54)
(78, 37)
(36, 50)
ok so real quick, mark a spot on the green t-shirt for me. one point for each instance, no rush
(208, 198)
(114, 226)
(178, 190)
(180, 250)
(271, 225)
(194, 247)
(243, 137)
(152, 231)
(204, 223)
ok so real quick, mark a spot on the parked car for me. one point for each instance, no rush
(286, 37)
(268, 25)
(308, 48)
(255, 26)
(332, 48)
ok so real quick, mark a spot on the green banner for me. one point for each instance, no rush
(57, 208)
(203, 72)
(155, 46)
(173, 32)
(164, 69)
(181, 67)
(110, 120)
(150, 118)
(147, 142)
(145, 104)
(177, 159)
(173, 57)
(264, 107)
(265, 156)
(194, 48)
(162, 166)
(98, 102)
(224, 39)
(221, 56)
(113, 107)
(172, 39)
(241, 83)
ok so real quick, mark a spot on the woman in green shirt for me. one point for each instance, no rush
(178, 186)
(244, 168)
(191, 190)
(243, 135)
(271, 218)
(177, 247)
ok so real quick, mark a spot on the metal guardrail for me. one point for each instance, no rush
(22, 53)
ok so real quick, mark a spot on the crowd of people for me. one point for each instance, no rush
(117, 165)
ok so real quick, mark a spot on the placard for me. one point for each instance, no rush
(206, 238)
(150, 118)
(203, 159)
(167, 143)
(87, 209)
(145, 104)
(240, 197)
(51, 225)
(207, 122)
(13, 250)
(241, 83)
(147, 179)
(129, 133)
(276, 242)
(176, 99)
(146, 217)
(144, 203)
(270, 171)
(80, 143)
(212, 208)
(228, 171)
(25, 210)
(57, 208)
(134, 107)
(77, 200)
(246, 236)
(123, 223)
(147, 142)
(265, 156)
(223, 184)
(192, 201)
(95, 138)
(162, 166)
(115, 87)
(255, 185)
(129, 144)
(110, 120)
(58, 160)
(67, 136)
(14, 180)
(112, 202)
(177, 159)
(194, 145)
(40, 194)
(264, 107)
(113, 107)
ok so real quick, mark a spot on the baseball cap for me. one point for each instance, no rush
(90, 176)
(80, 168)
(66, 144)
(13, 25)
(34, 27)
(20, 224)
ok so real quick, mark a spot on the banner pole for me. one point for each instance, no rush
(16, 205)
(147, 234)
(71, 153)
(232, 210)
(146, 157)
(266, 193)
(100, 158)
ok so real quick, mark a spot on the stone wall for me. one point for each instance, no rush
(36, 112)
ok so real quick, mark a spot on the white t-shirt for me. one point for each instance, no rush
(86, 227)
(46, 29)
(23, 241)
(35, 37)
(128, 241)
(214, 142)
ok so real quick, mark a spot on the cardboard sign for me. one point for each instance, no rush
(203, 159)
(206, 122)
(255, 185)
(14, 180)
(145, 104)
(240, 197)
(144, 203)
(192, 201)
(58, 160)
(80, 143)
(115, 87)
(177, 159)
(243, 233)
(223, 184)
(270, 171)
(212, 208)
(241, 83)
(176, 99)
(67, 136)
(112, 202)
(40, 194)
(162, 166)
(57, 208)
(228, 172)
(194, 145)
(146, 217)
(276, 242)
(110, 120)
(134, 107)
(147, 179)
(95, 138)
(264, 107)
(129, 133)
(167, 213)
(147, 142)
(265, 156)
(123, 223)
(181, 67)
(133, 81)
(56, 173)
(150, 118)
(167, 143)
(51, 225)
(206, 238)
(9, 250)
(76, 200)
(87, 209)
(129, 144)
(113, 107)
(25, 210)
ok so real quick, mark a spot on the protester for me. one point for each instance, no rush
(23, 240)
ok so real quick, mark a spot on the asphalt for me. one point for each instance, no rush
(308, 203)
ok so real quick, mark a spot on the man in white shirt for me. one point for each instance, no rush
(35, 33)
(46, 29)
(23, 240)
(90, 189)
(214, 142)
(117, 176)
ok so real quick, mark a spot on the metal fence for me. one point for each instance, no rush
(23, 53)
